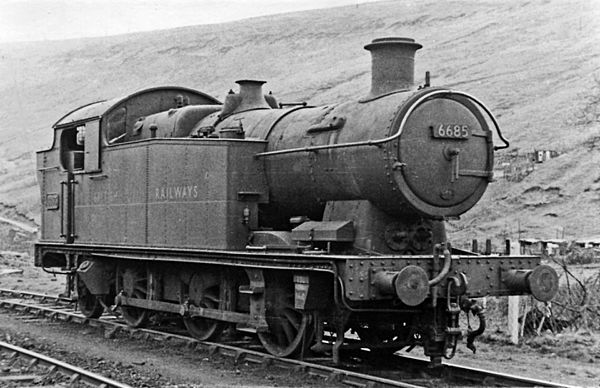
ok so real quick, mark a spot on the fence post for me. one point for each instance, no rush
(488, 247)
(513, 318)
(474, 246)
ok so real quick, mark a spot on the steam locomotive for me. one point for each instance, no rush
(316, 228)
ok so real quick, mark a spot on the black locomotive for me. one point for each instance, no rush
(299, 223)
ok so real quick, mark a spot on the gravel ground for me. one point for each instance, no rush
(571, 359)
(140, 363)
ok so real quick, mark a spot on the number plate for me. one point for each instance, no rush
(451, 131)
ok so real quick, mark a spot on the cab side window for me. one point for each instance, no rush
(80, 147)
(71, 151)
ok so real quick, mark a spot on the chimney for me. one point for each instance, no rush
(392, 65)
(251, 95)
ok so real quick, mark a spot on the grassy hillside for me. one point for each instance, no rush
(536, 64)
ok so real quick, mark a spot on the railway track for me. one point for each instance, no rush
(22, 367)
(400, 371)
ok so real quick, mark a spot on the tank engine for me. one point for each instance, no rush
(294, 222)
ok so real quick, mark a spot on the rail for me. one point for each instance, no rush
(52, 366)
(453, 374)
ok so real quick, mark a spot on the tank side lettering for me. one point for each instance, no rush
(172, 193)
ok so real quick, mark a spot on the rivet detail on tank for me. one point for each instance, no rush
(398, 166)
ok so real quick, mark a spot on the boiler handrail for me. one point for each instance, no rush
(378, 142)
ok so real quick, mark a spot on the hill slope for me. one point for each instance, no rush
(536, 65)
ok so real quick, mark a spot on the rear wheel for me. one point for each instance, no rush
(88, 304)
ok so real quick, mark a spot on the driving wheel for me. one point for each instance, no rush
(133, 283)
(290, 330)
(204, 291)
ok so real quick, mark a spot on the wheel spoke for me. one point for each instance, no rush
(289, 332)
(140, 288)
(213, 298)
(292, 319)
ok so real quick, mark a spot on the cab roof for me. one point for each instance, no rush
(96, 110)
